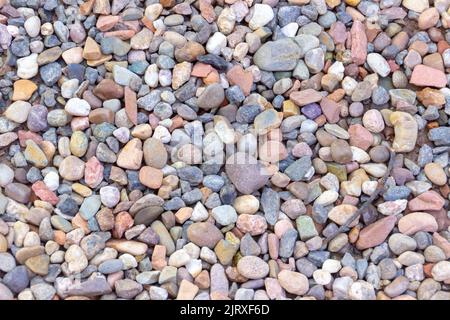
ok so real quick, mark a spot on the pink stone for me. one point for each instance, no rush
(79, 123)
(360, 137)
(417, 221)
(28, 135)
(273, 289)
(77, 32)
(274, 245)
(282, 226)
(425, 76)
(393, 13)
(44, 193)
(350, 200)
(429, 200)
(5, 37)
(359, 42)
(301, 149)
(375, 233)
(330, 109)
(253, 224)
(338, 32)
(442, 218)
(93, 172)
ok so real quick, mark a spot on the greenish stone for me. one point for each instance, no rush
(338, 170)
(225, 251)
(61, 224)
(103, 131)
(306, 228)
(402, 95)
(90, 207)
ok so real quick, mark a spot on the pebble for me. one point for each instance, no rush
(252, 267)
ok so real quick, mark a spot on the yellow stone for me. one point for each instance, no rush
(109, 65)
(23, 89)
(81, 189)
(225, 251)
(290, 109)
(333, 3)
(352, 3)
(405, 129)
(91, 50)
(3, 244)
(35, 155)
(229, 236)
(142, 131)
(99, 61)
(78, 144)
(48, 148)
(38, 264)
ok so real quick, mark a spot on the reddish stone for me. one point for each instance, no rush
(330, 109)
(425, 76)
(393, 66)
(375, 233)
(429, 200)
(442, 46)
(427, 269)
(28, 135)
(130, 105)
(207, 10)
(442, 219)
(93, 172)
(244, 79)
(108, 89)
(360, 137)
(44, 193)
(201, 70)
(442, 243)
(159, 257)
(105, 23)
(122, 223)
(358, 42)
(121, 34)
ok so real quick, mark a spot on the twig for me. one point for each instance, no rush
(369, 201)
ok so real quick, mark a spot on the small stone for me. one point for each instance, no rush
(252, 267)
(417, 221)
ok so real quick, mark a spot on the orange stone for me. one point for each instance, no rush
(183, 214)
(151, 177)
(212, 77)
(121, 34)
(79, 222)
(167, 3)
(130, 105)
(148, 23)
(159, 257)
(238, 76)
(201, 70)
(86, 7)
(105, 23)
(59, 237)
(122, 223)
(23, 89)
(91, 50)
